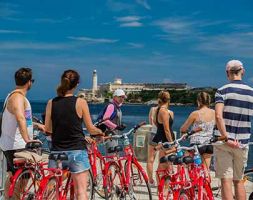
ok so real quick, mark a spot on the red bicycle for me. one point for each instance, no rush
(58, 183)
(190, 180)
(24, 184)
(124, 177)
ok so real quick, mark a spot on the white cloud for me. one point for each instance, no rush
(181, 29)
(144, 3)
(128, 19)
(231, 44)
(175, 26)
(5, 31)
(131, 24)
(135, 45)
(93, 40)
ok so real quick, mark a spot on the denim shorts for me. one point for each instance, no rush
(77, 162)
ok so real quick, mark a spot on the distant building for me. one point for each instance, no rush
(137, 87)
(98, 92)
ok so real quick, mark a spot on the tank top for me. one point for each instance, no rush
(160, 133)
(206, 133)
(11, 139)
(66, 125)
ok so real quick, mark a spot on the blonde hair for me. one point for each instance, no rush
(163, 97)
(204, 99)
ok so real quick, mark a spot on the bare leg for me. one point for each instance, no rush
(240, 192)
(206, 158)
(80, 183)
(150, 162)
(226, 189)
(163, 165)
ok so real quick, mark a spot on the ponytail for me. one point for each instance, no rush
(69, 80)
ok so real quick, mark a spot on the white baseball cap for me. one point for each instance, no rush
(119, 93)
(234, 65)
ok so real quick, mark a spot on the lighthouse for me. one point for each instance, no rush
(94, 83)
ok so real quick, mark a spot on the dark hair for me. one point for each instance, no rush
(22, 76)
(204, 99)
(163, 97)
(69, 79)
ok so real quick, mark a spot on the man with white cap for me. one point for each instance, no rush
(234, 109)
(113, 114)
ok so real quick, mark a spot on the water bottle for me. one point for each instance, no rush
(180, 153)
(197, 159)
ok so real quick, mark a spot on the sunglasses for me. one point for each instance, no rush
(32, 80)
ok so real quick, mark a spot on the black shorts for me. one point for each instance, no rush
(9, 155)
(208, 149)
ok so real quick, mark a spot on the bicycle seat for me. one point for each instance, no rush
(114, 149)
(178, 161)
(171, 158)
(188, 160)
(163, 159)
(58, 156)
(33, 145)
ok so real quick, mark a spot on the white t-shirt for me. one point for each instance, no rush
(11, 139)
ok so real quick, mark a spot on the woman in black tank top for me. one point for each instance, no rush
(163, 121)
(64, 117)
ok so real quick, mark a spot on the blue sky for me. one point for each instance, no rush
(136, 40)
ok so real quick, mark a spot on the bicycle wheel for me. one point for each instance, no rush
(90, 186)
(248, 182)
(114, 189)
(98, 182)
(49, 189)
(26, 186)
(139, 187)
(164, 190)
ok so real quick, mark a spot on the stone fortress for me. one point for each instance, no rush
(98, 92)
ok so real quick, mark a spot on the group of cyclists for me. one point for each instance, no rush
(66, 113)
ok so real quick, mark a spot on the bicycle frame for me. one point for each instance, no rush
(59, 174)
(37, 168)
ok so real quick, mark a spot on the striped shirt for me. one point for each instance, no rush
(237, 98)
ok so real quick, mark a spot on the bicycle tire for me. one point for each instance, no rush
(139, 186)
(98, 183)
(113, 188)
(25, 186)
(248, 182)
(90, 186)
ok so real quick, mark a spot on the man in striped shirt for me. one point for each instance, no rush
(233, 108)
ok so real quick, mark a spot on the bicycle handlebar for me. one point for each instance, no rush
(124, 135)
(167, 145)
